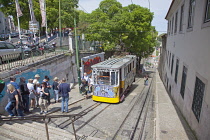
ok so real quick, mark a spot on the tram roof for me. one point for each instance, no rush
(114, 63)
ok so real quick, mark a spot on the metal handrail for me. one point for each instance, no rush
(8, 65)
(46, 119)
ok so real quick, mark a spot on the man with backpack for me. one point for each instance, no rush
(25, 94)
(64, 90)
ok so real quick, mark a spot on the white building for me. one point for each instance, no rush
(6, 23)
(185, 62)
(2, 23)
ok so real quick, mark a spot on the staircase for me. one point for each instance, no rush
(32, 130)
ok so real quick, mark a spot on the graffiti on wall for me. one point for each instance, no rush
(87, 62)
(26, 75)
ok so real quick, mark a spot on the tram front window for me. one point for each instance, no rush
(106, 78)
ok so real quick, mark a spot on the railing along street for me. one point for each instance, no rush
(46, 119)
(9, 63)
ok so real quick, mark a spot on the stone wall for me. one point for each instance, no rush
(61, 66)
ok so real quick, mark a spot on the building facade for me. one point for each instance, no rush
(6, 24)
(185, 62)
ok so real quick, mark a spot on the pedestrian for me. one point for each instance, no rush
(86, 77)
(30, 86)
(35, 82)
(64, 90)
(43, 100)
(13, 101)
(46, 80)
(90, 84)
(55, 89)
(146, 80)
(12, 81)
(25, 94)
(84, 88)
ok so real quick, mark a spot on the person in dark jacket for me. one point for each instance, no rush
(13, 101)
(64, 90)
(25, 94)
(55, 89)
(84, 88)
(44, 93)
(46, 80)
(16, 85)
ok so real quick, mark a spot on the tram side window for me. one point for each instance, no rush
(113, 77)
(116, 78)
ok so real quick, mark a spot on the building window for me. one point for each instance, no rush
(198, 98)
(191, 13)
(176, 18)
(172, 64)
(184, 77)
(177, 70)
(181, 18)
(172, 26)
(169, 60)
(168, 27)
(207, 14)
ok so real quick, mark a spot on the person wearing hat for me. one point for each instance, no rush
(35, 82)
(55, 88)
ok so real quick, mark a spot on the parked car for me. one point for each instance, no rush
(9, 52)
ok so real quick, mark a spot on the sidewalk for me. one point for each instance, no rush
(74, 96)
(170, 124)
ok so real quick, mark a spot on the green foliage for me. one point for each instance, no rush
(130, 27)
(52, 8)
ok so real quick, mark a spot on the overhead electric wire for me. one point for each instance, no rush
(82, 8)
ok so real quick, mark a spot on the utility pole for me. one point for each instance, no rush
(60, 23)
(77, 52)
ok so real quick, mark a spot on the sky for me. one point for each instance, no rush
(158, 7)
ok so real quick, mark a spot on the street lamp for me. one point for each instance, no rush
(77, 51)
(60, 23)
(149, 4)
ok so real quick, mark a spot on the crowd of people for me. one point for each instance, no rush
(25, 96)
(35, 94)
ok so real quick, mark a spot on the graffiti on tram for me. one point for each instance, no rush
(105, 91)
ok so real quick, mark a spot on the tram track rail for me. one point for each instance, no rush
(144, 99)
(144, 116)
(67, 122)
(81, 113)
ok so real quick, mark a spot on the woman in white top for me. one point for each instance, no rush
(30, 86)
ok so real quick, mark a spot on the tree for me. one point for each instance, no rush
(68, 12)
(128, 27)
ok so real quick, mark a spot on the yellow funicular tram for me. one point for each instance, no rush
(112, 78)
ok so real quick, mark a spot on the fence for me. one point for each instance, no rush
(21, 61)
(46, 119)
